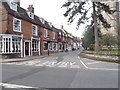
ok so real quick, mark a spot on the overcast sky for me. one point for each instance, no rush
(51, 11)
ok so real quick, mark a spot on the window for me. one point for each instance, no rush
(34, 30)
(16, 25)
(60, 34)
(60, 46)
(45, 32)
(15, 45)
(53, 35)
(45, 46)
(55, 46)
(13, 6)
(42, 20)
(63, 37)
(1, 44)
(30, 14)
(35, 45)
(51, 46)
(10, 44)
(50, 24)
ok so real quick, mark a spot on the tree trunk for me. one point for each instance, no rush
(95, 29)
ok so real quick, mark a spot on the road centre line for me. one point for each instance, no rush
(82, 62)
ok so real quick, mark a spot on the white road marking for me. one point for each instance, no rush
(63, 64)
(75, 66)
(94, 62)
(103, 69)
(6, 85)
(82, 62)
(72, 63)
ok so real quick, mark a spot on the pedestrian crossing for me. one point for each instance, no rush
(48, 63)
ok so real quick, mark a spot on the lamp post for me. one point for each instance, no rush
(48, 41)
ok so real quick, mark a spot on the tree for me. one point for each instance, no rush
(88, 39)
(75, 9)
(109, 40)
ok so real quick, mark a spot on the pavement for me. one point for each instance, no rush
(28, 58)
(62, 70)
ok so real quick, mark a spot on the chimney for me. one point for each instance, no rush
(17, 2)
(31, 8)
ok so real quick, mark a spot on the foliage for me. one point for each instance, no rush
(109, 40)
(81, 9)
(89, 39)
(104, 51)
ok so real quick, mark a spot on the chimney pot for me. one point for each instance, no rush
(17, 2)
(31, 8)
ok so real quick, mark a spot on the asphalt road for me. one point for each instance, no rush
(63, 70)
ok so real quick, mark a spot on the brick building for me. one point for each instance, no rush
(25, 34)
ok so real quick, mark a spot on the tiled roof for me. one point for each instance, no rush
(22, 14)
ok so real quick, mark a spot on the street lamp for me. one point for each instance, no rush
(48, 41)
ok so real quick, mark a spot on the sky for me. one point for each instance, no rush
(51, 11)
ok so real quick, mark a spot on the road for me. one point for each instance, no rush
(62, 70)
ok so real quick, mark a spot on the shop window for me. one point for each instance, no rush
(10, 44)
(35, 45)
(45, 46)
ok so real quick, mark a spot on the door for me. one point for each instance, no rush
(27, 48)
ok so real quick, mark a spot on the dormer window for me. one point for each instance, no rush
(13, 6)
(66, 35)
(30, 14)
(50, 24)
(42, 20)
(60, 34)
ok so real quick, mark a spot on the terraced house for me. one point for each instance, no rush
(25, 34)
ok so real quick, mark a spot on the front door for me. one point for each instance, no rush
(27, 48)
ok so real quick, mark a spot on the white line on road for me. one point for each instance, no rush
(6, 85)
(82, 62)
(103, 69)
(94, 62)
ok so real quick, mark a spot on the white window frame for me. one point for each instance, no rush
(35, 47)
(45, 33)
(60, 34)
(44, 46)
(30, 14)
(13, 6)
(53, 35)
(63, 36)
(13, 46)
(54, 49)
(42, 20)
(50, 24)
(34, 33)
(14, 25)
(51, 46)
(60, 44)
